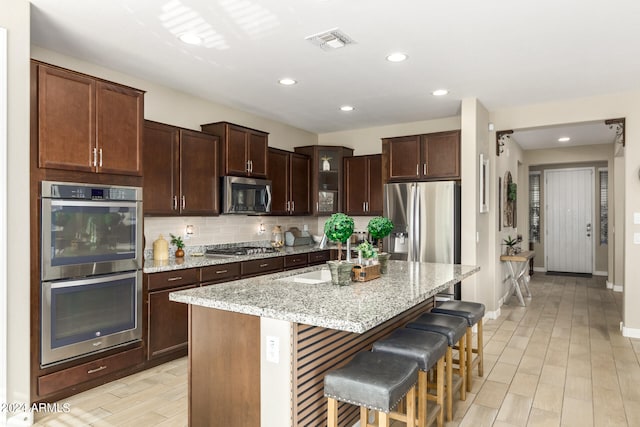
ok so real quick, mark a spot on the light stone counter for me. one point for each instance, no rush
(354, 308)
(191, 261)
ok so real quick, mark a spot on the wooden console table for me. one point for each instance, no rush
(517, 265)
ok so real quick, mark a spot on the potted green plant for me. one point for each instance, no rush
(510, 244)
(512, 191)
(179, 244)
(379, 227)
(339, 228)
(366, 251)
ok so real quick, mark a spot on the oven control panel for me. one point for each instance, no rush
(69, 190)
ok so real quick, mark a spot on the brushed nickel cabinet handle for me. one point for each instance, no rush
(424, 169)
(264, 265)
(417, 169)
(184, 202)
(175, 203)
(95, 157)
(221, 271)
(93, 371)
(173, 279)
(293, 206)
(101, 157)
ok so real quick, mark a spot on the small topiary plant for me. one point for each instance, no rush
(379, 227)
(338, 228)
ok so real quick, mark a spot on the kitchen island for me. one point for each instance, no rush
(259, 347)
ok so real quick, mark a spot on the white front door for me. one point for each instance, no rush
(568, 199)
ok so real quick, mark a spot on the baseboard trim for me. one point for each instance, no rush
(600, 273)
(630, 332)
(493, 315)
(609, 285)
(540, 269)
(618, 288)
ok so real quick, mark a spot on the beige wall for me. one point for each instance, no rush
(15, 18)
(368, 140)
(167, 105)
(625, 105)
(477, 229)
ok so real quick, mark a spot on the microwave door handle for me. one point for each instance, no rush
(268, 209)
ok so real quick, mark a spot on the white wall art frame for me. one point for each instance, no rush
(483, 189)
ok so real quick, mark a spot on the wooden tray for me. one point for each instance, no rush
(364, 273)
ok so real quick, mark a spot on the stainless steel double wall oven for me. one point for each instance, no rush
(91, 272)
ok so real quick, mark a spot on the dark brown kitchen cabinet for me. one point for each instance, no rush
(326, 176)
(433, 156)
(86, 124)
(180, 171)
(363, 185)
(319, 257)
(295, 261)
(261, 266)
(243, 151)
(168, 323)
(290, 177)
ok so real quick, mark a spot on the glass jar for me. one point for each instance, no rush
(277, 237)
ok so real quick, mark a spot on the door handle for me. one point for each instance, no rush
(424, 169)
(100, 158)
(589, 227)
(288, 206)
(95, 157)
(184, 202)
(293, 206)
(175, 203)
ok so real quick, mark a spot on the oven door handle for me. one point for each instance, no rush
(91, 280)
(92, 203)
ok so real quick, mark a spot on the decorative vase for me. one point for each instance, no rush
(383, 259)
(340, 272)
(179, 253)
(326, 166)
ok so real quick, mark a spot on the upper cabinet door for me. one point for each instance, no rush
(66, 120)
(442, 155)
(257, 154)
(404, 157)
(300, 184)
(86, 124)
(161, 169)
(198, 173)
(374, 206)
(356, 182)
(243, 150)
(279, 176)
(236, 151)
(120, 112)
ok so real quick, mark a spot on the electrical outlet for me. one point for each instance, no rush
(273, 349)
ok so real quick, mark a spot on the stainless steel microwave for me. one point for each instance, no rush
(249, 196)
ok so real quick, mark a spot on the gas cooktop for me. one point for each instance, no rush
(240, 250)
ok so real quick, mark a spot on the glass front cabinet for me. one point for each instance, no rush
(327, 177)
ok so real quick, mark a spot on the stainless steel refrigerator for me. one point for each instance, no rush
(426, 218)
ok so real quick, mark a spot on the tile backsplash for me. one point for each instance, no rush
(231, 228)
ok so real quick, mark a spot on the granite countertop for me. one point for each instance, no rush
(192, 261)
(354, 308)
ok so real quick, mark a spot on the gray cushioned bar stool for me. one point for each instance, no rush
(472, 312)
(428, 349)
(454, 329)
(375, 381)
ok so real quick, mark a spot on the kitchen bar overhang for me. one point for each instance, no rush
(259, 347)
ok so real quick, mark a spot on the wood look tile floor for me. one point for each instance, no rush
(560, 361)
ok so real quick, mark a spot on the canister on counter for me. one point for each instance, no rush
(160, 249)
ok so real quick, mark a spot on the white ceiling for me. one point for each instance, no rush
(588, 133)
(505, 53)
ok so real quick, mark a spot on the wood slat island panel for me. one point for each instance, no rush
(318, 350)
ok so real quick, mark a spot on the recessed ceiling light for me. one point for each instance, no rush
(347, 108)
(397, 57)
(287, 81)
(190, 38)
(564, 139)
(439, 92)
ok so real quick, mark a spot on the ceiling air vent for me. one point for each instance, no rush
(331, 39)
